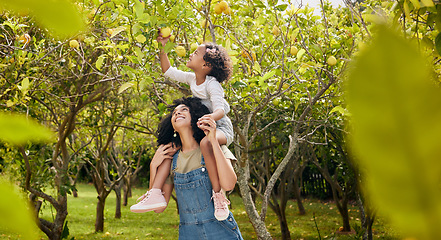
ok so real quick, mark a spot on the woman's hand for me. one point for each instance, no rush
(207, 124)
(164, 152)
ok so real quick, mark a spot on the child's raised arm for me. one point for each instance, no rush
(165, 63)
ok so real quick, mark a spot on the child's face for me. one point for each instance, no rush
(196, 60)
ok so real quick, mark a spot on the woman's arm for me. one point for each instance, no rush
(227, 176)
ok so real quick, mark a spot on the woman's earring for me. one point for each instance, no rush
(174, 134)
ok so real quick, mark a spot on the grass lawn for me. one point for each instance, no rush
(81, 220)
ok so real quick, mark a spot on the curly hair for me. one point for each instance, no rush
(219, 61)
(165, 129)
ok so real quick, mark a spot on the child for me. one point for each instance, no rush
(211, 65)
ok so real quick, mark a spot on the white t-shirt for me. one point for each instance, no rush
(211, 91)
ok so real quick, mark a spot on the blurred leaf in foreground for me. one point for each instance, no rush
(396, 123)
(17, 129)
(61, 17)
(16, 216)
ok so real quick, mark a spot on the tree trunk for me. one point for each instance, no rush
(118, 201)
(345, 217)
(258, 225)
(286, 235)
(54, 230)
(99, 222)
(127, 189)
(298, 197)
(367, 218)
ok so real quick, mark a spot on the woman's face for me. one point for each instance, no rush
(181, 117)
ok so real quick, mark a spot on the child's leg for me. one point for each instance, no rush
(161, 175)
(153, 199)
(210, 161)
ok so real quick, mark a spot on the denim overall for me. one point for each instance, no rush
(196, 209)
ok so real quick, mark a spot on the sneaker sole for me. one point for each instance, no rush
(222, 218)
(152, 208)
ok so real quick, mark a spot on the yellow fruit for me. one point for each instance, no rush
(227, 11)
(193, 46)
(11, 60)
(217, 9)
(109, 32)
(172, 38)
(204, 23)
(246, 54)
(331, 61)
(340, 229)
(180, 50)
(165, 32)
(200, 40)
(293, 50)
(223, 5)
(276, 102)
(25, 38)
(74, 44)
(275, 31)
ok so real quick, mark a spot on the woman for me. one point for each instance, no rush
(185, 127)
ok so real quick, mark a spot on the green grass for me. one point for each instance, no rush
(81, 220)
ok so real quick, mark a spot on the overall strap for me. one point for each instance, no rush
(175, 160)
(202, 161)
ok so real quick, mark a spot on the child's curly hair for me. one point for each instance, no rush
(220, 62)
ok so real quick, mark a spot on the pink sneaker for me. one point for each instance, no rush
(152, 200)
(221, 203)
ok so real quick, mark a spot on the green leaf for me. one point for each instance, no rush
(169, 46)
(340, 110)
(396, 130)
(438, 43)
(300, 53)
(281, 7)
(17, 217)
(117, 30)
(123, 87)
(61, 17)
(139, 8)
(140, 38)
(266, 76)
(100, 61)
(18, 129)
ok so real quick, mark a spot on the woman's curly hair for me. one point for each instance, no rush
(165, 130)
(220, 62)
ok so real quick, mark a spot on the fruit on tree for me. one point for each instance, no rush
(172, 37)
(193, 47)
(25, 39)
(109, 32)
(293, 50)
(223, 5)
(331, 61)
(165, 32)
(74, 44)
(180, 50)
(217, 9)
(275, 30)
(204, 23)
(246, 54)
(227, 11)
